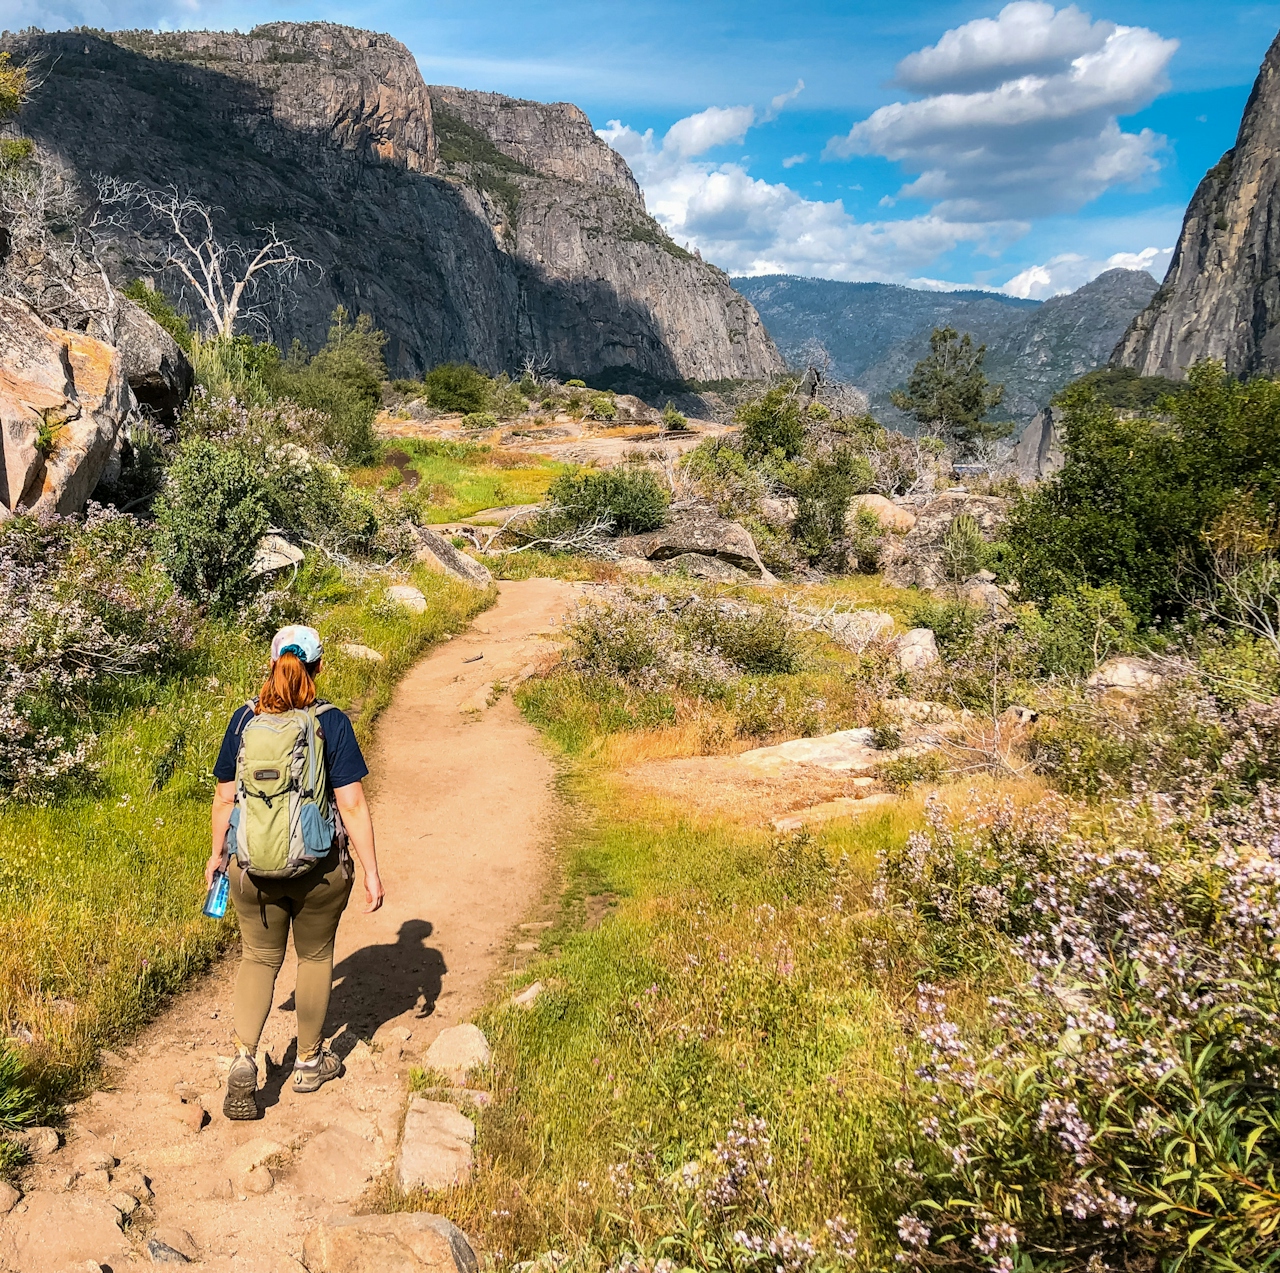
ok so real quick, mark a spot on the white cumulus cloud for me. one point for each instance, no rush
(1020, 114)
(1070, 270)
(750, 226)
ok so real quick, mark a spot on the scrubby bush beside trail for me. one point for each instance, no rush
(1118, 1104)
(628, 500)
(82, 606)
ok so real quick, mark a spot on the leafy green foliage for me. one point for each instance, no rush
(211, 515)
(1123, 387)
(343, 380)
(17, 1100)
(948, 392)
(1134, 498)
(823, 489)
(456, 386)
(629, 497)
(158, 306)
(672, 420)
(772, 425)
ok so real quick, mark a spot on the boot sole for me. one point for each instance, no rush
(240, 1102)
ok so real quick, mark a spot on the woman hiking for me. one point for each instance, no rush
(288, 805)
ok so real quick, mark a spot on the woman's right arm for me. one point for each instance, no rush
(224, 801)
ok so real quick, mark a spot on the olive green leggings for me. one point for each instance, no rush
(311, 904)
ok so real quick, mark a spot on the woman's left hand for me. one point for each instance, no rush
(213, 865)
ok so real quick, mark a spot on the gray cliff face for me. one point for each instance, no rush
(1221, 296)
(602, 277)
(329, 133)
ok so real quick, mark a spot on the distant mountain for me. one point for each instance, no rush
(875, 332)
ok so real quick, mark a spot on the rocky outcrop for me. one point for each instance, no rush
(409, 1242)
(63, 402)
(697, 533)
(158, 372)
(486, 231)
(1038, 453)
(579, 218)
(916, 559)
(1221, 296)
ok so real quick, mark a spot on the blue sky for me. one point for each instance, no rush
(1024, 146)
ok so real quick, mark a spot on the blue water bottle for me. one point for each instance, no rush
(215, 905)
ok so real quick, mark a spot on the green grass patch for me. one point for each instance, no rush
(729, 979)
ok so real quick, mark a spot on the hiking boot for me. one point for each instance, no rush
(242, 1088)
(309, 1075)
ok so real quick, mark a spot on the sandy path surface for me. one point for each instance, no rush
(463, 810)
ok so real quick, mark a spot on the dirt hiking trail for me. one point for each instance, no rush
(462, 806)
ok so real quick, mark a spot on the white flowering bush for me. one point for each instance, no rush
(82, 605)
(1117, 1109)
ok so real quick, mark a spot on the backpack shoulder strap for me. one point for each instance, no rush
(320, 706)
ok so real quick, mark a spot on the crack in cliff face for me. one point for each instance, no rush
(501, 229)
(1221, 296)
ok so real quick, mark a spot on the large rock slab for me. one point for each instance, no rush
(63, 402)
(891, 516)
(916, 650)
(158, 372)
(1125, 674)
(438, 554)
(435, 1149)
(409, 1242)
(336, 1164)
(698, 533)
(47, 1232)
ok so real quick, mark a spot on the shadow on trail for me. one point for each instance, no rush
(375, 985)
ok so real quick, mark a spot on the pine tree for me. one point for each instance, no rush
(948, 392)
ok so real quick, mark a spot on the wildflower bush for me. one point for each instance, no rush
(1116, 1108)
(82, 606)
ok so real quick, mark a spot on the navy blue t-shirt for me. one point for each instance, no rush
(341, 751)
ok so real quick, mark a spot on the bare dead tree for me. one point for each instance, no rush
(228, 279)
(53, 258)
(534, 368)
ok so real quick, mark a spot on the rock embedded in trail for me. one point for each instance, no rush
(458, 1050)
(408, 1242)
(54, 1230)
(435, 1149)
(336, 1164)
(162, 1253)
(437, 553)
(39, 1142)
(9, 1197)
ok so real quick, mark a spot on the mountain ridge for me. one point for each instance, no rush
(329, 132)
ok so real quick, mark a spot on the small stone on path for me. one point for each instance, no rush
(457, 1050)
(163, 1253)
(8, 1197)
(408, 1242)
(336, 1165)
(258, 1181)
(177, 1240)
(39, 1142)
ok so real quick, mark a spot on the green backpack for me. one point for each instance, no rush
(284, 821)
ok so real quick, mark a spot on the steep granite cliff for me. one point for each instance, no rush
(512, 231)
(1221, 296)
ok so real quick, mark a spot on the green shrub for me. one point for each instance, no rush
(238, 368)
(479, 420)
(211, 514)
(603, 408)
(631, 498)
(342, 381)
(575, 384)
(964, 550)
(672, 420)
(156, 303)
(1132, 503)
(823, 489)
(772, 425)
(456, 386)
(724, 476)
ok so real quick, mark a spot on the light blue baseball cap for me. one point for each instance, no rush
(300, 640)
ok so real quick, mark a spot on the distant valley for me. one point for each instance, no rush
(875, 332)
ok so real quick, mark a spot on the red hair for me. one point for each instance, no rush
(289, 684)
